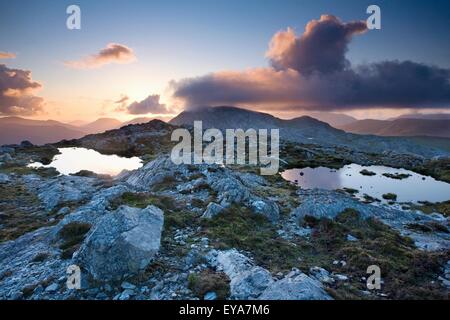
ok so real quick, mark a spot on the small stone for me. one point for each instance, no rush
(126, 285)
(340, 277)
(126, 294)
(101, 296)
(210, 296)
(52, 288)
(351, 238)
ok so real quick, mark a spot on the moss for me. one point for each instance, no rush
(23, 170)
(428, 227)
(238, 227)
(198, 203)
(369, 199)
(351, 190)
(72, 235)
(20, 212)
(40, 257)
(397, 176)
(438, 169)
(366, 172)
(428, 207)
(166, 183)
(302, 156)
(209, 281)
(144, 199)
(28, 290)
(407, 272)
(390, 196)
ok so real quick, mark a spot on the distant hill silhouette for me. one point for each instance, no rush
(400, 127)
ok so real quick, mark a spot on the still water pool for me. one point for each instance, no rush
(73, 160)
(415, 188)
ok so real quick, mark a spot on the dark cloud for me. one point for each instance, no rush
(16, 92)
(321, 47)
(311, 72)
(113, 53)
(148, 105)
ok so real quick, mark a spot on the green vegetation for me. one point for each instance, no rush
(438, 169)
(166, 183)
(390, 196)
(20, 212)
(306, 156)
(369, 199)
(407, 271)
(397, 176)
(366, 172)
(209, 281)
(350, 190)
(238, 227)
(429, 207)
(72, 235)
(23, 170)
(42, 256)
(430, 226)
(144, 199)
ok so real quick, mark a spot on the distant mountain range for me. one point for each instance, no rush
(16, 129)
(300, 130)
(430, 116)
(406, 127)
(316, 127)
(333, 119)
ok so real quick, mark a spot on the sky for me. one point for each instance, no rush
(156, 58)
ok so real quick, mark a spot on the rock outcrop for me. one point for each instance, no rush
(295, 286)
(248, 281)
(121, 243)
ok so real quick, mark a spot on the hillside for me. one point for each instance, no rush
(400, 127)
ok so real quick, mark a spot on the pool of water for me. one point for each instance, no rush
(415, 188)
(73, 160)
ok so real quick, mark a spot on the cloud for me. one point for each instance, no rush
(7, 55)
(148, 105)
(321, 47)
(311, 72)
(113, 53)
(16, 92)
(121, 104)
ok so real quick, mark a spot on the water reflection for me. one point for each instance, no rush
(73, 160)
(412, 189)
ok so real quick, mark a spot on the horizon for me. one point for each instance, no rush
(125, 65)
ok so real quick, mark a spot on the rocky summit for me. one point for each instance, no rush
(209, 231)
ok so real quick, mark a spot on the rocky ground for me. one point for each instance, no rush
(169, 231)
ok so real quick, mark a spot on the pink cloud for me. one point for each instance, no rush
(113, 53)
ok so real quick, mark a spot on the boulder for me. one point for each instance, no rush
(321, 274)
(26, 144)
(4, 178)
(121, 243)
(295, 286)
(247, 281)
(61, 189)
(212, 210)
(267, 208)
